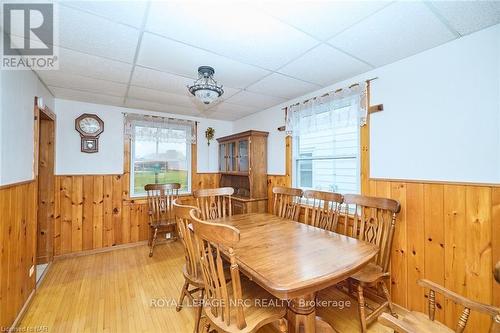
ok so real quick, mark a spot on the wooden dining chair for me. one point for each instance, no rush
(193, 280)
(234, 306)
(372, 220)
(160, 198)
(214, 203)
(417, 322)
(286, 202)
(322, 209)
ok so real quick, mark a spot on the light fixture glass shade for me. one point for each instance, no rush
(207, 96)
(206, 89)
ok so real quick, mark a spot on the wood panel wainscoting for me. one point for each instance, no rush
(18, 213)
(95, 211)
(449, 234)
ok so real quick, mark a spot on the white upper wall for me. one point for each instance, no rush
(17, 93)
(109, 160)
(441, 118)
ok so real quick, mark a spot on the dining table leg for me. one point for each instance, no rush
(301, 317)
(301, 314)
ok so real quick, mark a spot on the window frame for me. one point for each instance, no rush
(189, 163)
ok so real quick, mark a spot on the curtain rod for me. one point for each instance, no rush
(335, 91)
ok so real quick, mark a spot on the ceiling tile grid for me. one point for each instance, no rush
(178, 58)
(84, 96)
(325, 65)
(143, 54)
(254, 37)
(400, 30)
(323, 19)
(282, 86)
(76, 82)
(468, 16)
(84, 32)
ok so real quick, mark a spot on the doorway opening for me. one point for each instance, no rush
(45, 133)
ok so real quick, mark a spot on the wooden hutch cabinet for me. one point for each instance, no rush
(243, 166)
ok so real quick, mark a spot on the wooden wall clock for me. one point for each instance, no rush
(90, 126)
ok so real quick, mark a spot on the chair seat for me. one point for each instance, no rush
(196, 281)
(163, 223)
(369, 274)
(422, 324)
(257, 313)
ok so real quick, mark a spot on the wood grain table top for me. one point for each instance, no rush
(291, 259)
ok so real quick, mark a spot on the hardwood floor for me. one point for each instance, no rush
(114, 292)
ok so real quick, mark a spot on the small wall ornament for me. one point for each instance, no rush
(209, 134)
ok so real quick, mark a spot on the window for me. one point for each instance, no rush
(160, 153)
(326, 146)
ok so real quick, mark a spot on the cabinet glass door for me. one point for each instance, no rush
(222, 157)
(243, 155)
(231, 156)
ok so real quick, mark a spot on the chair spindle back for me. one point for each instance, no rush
(160, 198)
(399, 325)
(224, 303)
(373, 221)
(322, 209)
(183, 219)
(286, 202)
(214, 203)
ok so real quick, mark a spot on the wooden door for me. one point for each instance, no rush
(46, 190)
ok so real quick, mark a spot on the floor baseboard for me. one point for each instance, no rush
(101, 250)
(22, 312)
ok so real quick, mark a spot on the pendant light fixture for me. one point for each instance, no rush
(206, 89)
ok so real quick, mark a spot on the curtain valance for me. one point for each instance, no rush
(341, 108)
(160, 129)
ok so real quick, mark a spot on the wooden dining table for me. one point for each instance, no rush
(293, 261)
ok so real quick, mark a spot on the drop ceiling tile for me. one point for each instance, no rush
(251, 99)
(70, 81)
(282, 86)
(91, 34)
(230, 29)
(400, 30)
(233, 108)
(147, 105)
(150, 78)
(469, 16)
(325, 65)
(163, 97)
(224, 116)
(226, 111)
(177, 58)
(127, 12)
(84, 96)
(322, 19)
(87, 65)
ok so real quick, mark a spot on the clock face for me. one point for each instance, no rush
(89, 125)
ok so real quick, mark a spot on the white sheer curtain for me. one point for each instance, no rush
(338, 109)
(160, 129)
